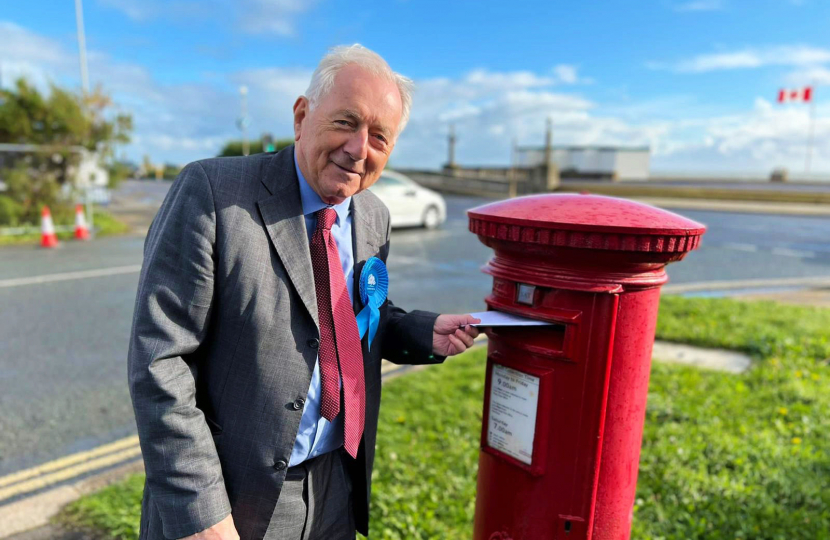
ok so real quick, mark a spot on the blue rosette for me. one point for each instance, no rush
(374, 286)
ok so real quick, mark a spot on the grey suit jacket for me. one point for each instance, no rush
(225, 338)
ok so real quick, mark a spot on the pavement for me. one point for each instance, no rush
(817, 297)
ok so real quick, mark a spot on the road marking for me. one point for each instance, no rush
(71, 459)
(71, 472)
(66, 276)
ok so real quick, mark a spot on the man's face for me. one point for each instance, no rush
(344, 143)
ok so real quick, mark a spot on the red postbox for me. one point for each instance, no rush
(565, 404)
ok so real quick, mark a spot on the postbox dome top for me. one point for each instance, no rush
(586, 221)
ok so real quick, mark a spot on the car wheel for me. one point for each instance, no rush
(432, 218)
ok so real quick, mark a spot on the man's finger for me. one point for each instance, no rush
(464, 337)
(472, 331)
(457, 345)
(469, 319)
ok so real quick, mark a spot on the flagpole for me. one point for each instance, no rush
(812, 128)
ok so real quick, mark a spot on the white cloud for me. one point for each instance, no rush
(566, 73)
(758, 140)
(784, 55)
(272, 16)
(490, 109)
(277, 17)
(814, 75)
(683, 134)
(172, 122)
(136, 10)
(486, 80)
(184, 11)
(700, 5)
(37, 58)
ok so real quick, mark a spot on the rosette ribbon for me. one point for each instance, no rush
(374, 286)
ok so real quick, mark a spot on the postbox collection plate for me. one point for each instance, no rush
(524, 429)
(514, 400)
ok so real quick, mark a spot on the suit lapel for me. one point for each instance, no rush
(282, 214)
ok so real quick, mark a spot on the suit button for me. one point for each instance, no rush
(314, 343)
(298, 404)
(280, 465)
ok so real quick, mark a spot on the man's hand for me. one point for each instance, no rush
(453, 334)
(224, 530)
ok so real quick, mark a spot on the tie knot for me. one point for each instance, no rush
(326, 218)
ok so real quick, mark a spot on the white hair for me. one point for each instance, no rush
(322, 80)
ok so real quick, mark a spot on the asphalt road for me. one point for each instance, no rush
(63, 342)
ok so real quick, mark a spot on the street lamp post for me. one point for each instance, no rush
(79, 20)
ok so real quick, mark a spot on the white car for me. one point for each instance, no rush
(410, 205)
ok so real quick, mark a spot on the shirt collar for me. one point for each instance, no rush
(312, 202)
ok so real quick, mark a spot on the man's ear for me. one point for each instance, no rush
(300, 113)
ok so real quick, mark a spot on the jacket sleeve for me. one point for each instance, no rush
(172, 311)
(408, 335)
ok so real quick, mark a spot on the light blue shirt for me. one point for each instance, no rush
(317, 435)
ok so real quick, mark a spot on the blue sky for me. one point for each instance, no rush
(696, 80)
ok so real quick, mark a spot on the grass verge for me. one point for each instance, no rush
(642, 189)
(724, 456)
(105, 225)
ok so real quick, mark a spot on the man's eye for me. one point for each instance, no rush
(381, 138)
(343, 122)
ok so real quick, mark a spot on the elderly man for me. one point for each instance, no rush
(256, 392)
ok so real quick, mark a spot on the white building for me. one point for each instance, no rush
(613, 162)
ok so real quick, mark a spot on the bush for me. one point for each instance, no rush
(118, 172)
(10, 212)
(234, 148)
(31, 188)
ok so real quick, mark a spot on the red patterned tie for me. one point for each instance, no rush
(339, 337)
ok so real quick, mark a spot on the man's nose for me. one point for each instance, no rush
(358, 145)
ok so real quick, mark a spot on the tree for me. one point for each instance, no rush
(59, 124)
(234, 148)
(170, 171)
(147, 169)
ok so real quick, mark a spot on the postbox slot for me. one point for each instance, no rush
(545, 341)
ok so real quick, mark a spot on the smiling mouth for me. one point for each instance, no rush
(346, 170)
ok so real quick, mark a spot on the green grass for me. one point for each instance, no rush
(113, 512)
(105, 225)
(739, 456)
(641, 189)
(724, 456)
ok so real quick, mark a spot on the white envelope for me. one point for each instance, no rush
(500, 318)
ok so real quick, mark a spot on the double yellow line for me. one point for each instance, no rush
(68, 467)
(74, 465)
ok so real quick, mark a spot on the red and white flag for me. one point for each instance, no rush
(802, 94)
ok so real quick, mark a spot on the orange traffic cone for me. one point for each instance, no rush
(81, 229)
(48, 239)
